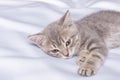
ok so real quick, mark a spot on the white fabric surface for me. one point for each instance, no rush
(20, 60)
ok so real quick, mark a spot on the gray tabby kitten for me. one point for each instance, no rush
(89, 38)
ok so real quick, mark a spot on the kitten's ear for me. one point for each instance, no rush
(38, 39)
(66, 19)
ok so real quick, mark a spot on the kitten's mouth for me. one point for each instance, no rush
(67, 57)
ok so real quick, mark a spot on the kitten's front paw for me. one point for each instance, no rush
(81, 60)
(86, 71)
(83, 56)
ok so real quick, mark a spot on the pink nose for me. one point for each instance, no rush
(67, 54)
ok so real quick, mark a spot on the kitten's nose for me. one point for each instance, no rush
(67, 54)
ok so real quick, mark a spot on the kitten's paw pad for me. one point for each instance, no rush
(86, 71)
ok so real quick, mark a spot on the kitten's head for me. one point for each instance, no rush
(59, 39)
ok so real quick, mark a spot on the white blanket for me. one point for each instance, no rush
(20, 60)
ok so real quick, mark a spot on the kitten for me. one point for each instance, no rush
(89, 38)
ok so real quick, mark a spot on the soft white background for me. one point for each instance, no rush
(20, 60)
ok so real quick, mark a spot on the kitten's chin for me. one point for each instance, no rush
(68, 57)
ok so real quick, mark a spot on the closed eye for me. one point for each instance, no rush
(55, 50)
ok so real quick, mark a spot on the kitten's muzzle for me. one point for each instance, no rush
(66, 55)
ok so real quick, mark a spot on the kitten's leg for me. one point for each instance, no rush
(91, 60)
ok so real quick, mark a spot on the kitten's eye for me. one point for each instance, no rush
(68, 42)
(55, 50)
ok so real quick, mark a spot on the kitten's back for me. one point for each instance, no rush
(106, 24)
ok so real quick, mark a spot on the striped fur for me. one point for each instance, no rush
(89, 39)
